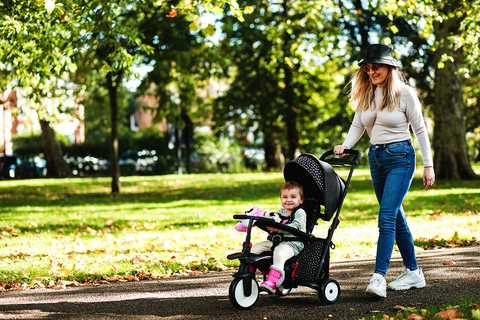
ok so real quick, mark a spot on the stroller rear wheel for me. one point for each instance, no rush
(237, 295)
(329, 291)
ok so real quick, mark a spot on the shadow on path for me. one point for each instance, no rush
(452, 275)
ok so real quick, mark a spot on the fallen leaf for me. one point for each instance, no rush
(415, 316)
(448, 263)
(101, 282)
(37, 284)
(449, 314)
(398, 307)
(132, 278)
(59, 286)
(17, 286)
(142, 275)
(69, 283)
(111, 278)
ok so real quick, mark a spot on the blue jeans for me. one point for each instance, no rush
(392, 166)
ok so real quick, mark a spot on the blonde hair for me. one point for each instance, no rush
(362, 90)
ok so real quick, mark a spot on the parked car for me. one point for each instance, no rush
(24, 167)
(87, 166)
(254, 158)
(8, 165)
(143, 162)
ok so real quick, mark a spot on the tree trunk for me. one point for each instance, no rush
(272, 149)
(56, 165)
(187, 138)
(449, 143)
(113, 82)
(177, 134)
(290, 115)
(364, 24)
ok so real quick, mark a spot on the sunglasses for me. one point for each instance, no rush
(372, 67)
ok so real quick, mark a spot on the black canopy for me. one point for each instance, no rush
(320, 183)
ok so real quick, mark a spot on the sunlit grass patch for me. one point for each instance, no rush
(72, 229)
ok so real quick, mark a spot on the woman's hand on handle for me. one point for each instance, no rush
(428, 177)
(339, 149)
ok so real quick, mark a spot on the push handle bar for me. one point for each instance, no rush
(349, 157)
(263, 223)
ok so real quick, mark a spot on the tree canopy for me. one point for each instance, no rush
(281, 68)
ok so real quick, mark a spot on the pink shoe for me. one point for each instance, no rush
(275, 278)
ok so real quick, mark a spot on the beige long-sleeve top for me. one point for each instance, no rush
(385, 126)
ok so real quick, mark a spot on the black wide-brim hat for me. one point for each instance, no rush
(380, 54)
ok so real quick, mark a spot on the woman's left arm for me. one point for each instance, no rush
(415, 118)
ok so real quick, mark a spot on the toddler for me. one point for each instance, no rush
(291, 197)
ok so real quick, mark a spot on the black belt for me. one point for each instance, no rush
(384, 145)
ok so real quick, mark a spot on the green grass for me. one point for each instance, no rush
(72, 229)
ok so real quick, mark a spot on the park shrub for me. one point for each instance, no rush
(146, 152)
(473, 144)
(31, 145)
(217, 154)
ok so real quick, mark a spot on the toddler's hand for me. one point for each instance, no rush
(275, 216)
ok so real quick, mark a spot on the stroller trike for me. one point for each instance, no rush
(323, 189)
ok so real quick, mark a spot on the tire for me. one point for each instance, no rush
(237, 296)
(329, 292)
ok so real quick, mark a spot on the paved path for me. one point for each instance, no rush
(452, 274)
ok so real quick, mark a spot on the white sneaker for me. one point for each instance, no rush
(377, 285)
(408, 279)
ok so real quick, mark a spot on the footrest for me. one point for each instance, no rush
(261, 256)
(252, 258)
(234, 256)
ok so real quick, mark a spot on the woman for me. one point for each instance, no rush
(385, 107)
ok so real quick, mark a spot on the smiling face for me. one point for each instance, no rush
(377, 73)
(291, 198)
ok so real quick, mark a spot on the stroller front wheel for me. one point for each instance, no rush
(329, 291)
(238, 292)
